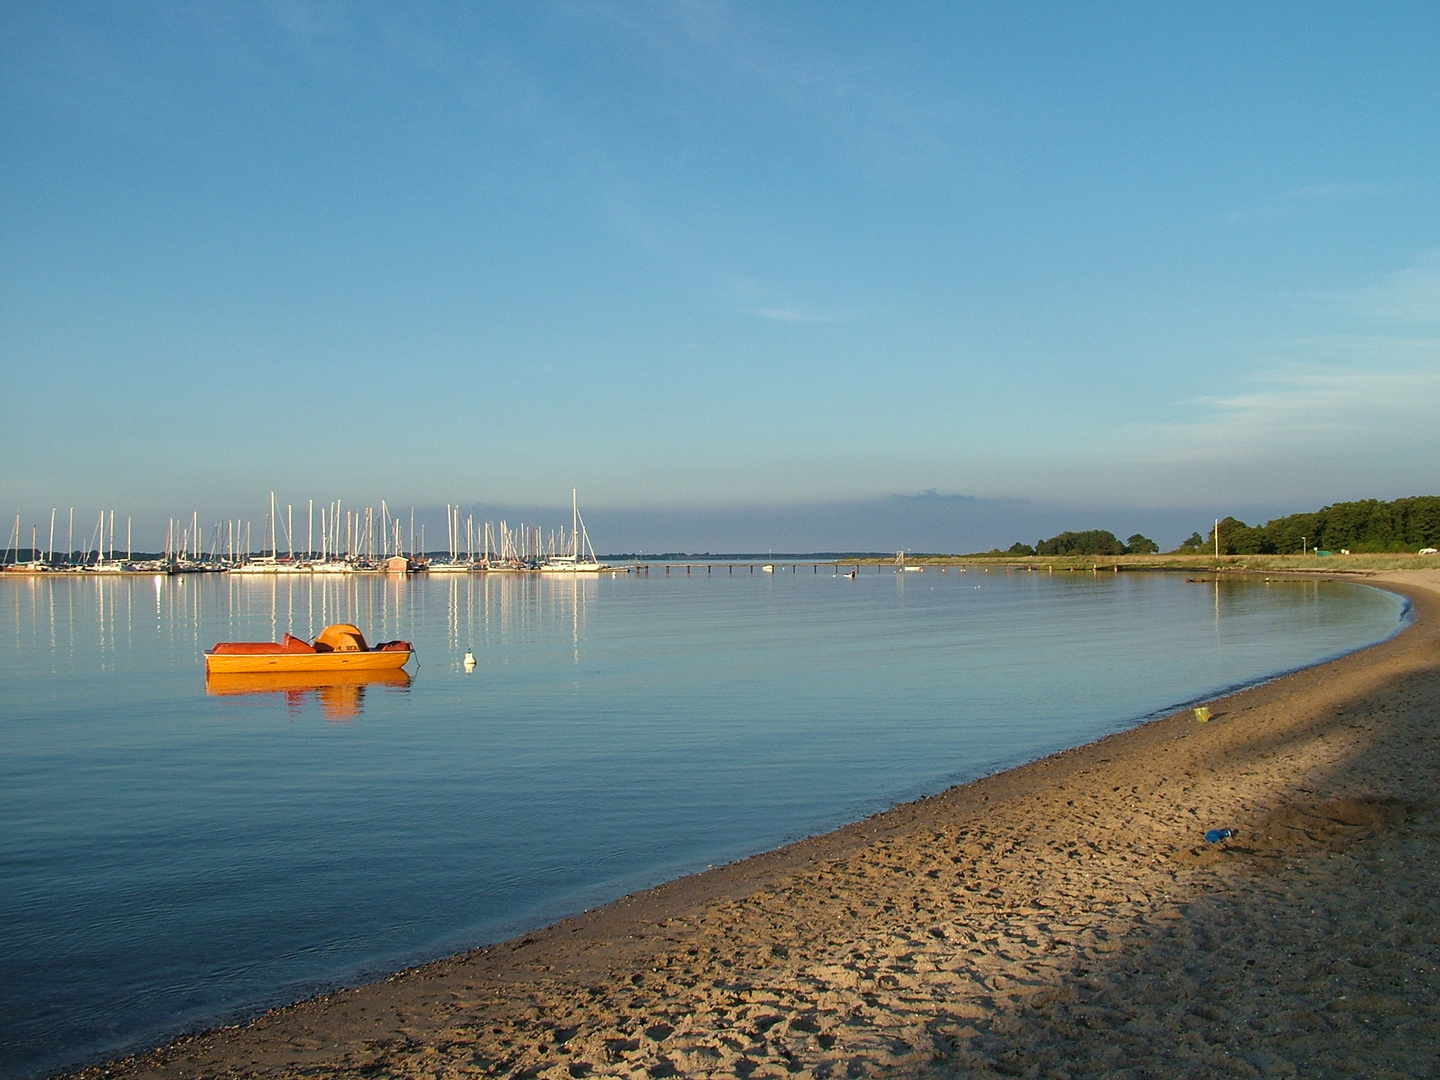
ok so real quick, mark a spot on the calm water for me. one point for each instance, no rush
(171, 858)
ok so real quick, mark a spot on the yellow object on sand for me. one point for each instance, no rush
(1202, 713)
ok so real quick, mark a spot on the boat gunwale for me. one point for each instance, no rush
(369, 660)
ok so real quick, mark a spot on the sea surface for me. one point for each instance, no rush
(172, 858)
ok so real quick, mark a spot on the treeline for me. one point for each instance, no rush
(1089, 542)
(1369, 526)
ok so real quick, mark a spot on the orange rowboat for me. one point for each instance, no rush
(340, 647)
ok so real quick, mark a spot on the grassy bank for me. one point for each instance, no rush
(1333, 564)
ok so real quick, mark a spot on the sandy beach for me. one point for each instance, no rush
(1063, 919)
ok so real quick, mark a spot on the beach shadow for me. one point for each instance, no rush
(1304, 946)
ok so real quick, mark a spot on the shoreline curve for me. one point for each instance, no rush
(1064, 916)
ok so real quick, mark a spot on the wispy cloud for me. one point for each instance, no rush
(770, 303)
(1353, 393)
(796, 315)
(1326, 402)
(1309, 412)
(877, 116)
(1409, 296)
(306, 19)
(1356, 413)
(1292, 436)
(1310, 198)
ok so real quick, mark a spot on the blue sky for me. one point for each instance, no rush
(1097, 264)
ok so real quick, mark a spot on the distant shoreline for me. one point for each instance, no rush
(1337, 565)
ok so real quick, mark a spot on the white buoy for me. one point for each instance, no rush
(469, 660)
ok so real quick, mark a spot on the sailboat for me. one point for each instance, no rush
(580, 559)
(459, 562)
(273, 563)
(104, 564)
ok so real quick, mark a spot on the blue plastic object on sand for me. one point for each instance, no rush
(1214, 836)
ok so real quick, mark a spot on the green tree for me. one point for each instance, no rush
(1090, 542)
(1237, 538)
(1141, 545)
(1363, 525)
(1019, 548)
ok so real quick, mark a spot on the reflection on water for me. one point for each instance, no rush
(103, 621)
(341, 694)
(177, 852)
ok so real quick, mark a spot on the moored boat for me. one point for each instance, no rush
(580, 556)
(340, 647)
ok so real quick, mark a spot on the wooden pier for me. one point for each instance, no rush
(793, 567)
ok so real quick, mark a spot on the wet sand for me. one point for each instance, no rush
(1063, 919)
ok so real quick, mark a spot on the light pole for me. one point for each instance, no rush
(1302, 545)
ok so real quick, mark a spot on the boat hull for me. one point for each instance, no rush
(220, 684)
(251, 663)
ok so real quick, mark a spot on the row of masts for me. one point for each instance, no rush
(366, 538)
(472, 542)
(98, 551)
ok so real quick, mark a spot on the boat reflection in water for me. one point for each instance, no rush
(341, 693)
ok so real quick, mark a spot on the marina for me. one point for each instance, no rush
(371, 541)
(367, 541)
